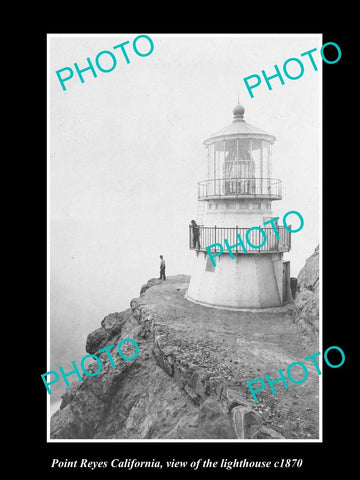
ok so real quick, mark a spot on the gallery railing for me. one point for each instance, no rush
(201, 237)
(237, 187)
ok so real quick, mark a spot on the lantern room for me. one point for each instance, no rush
(239, 161)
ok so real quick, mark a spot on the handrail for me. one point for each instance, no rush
(202, 237)
(237, 187)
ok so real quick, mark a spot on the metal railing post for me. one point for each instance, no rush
(236, 232)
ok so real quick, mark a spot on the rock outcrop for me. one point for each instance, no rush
(306, 311)
(189, 380)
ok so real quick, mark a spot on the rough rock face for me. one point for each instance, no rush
(189, 380)
(306, 312)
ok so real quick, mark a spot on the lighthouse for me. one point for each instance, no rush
(233, 203)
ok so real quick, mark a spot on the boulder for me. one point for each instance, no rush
(246, 422)
(113, 323)
(199, 383)
(234, 399)
(96, 340)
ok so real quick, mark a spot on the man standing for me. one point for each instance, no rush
(162, 268)
(196, 234)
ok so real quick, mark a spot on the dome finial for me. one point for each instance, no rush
(238, 112)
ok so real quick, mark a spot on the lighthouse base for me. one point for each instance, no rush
(247, 281)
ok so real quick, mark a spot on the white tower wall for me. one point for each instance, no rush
(247, 281)
(227, 213)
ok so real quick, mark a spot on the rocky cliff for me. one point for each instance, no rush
(306, 311)
(190, 377)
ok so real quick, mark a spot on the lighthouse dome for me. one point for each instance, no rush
(239, 128)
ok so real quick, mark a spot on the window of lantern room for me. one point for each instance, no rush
(239, 167)
(261, 155)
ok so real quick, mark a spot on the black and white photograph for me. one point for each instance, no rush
(185, 248)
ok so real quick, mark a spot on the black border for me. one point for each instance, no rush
(331, 455)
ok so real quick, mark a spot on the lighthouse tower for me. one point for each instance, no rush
(237, 196)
